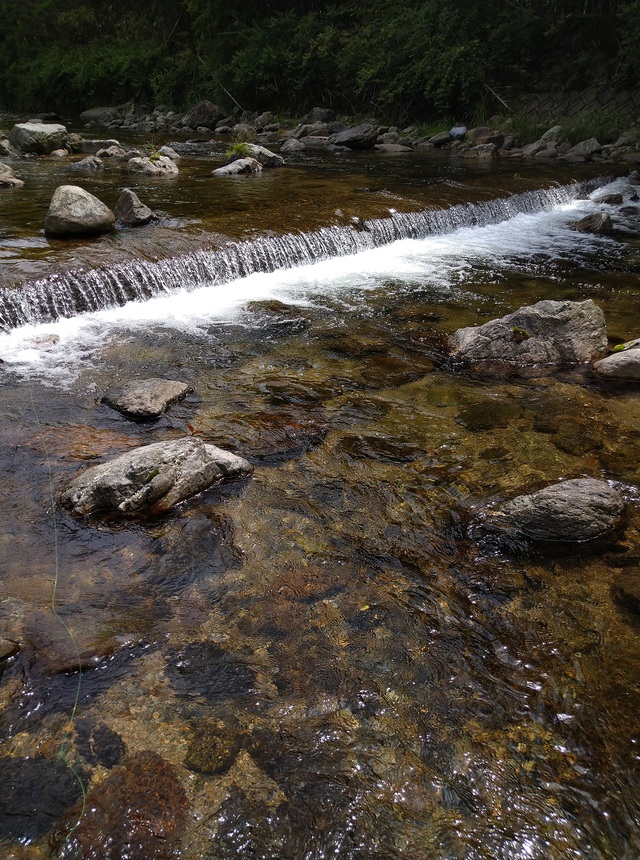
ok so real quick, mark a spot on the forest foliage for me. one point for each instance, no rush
(404, 60)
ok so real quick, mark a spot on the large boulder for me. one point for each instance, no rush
(585, 149)
(39, 137)
(578, 511)
(203, 115)
(131, 211)
(533, 340)
(152, 478)
(75, 212)
(360, 137)
(145, 399)
(597, 222)
(7, 177)
(158, 165)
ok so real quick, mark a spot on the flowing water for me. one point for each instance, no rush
(319, 662)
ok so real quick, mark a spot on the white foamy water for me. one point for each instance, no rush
(52, 351)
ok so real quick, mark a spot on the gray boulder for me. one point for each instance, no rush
(481, 150)
(598, 222)
(624, 363)
(75, 212)
(581, 510)
(442, 138)
(318, 114)
(265, 156)
(99, 115)
(169, 152)
(242, 165)
(534, 340)
(7, 178)
(130, 210)
(145, 399)
(360, 137)
(155, 166)
(94, 146)
(584, 149)
(39, 137)
(203, 115)
(292, 145)
(151, 479)
(90, 163)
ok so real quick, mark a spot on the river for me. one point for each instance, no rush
(320, 661)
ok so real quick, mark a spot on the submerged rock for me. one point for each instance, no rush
(533, 340)
(75, 212)
(130, 210)
(626, 590)
(138, 812)
(151, 479)
(582, 510)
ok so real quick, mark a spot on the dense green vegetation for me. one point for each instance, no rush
(405, 60)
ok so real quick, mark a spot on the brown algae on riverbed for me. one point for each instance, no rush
(323, 661)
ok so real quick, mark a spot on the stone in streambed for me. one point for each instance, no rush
(131, 211)
(624, 363)
(626, 590)
(138, 812)
(533, 340)
(74, 212)
(151, 479)
(38, 137)
(145, 399)
(577, 511)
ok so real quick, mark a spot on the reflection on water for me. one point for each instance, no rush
(321, 662)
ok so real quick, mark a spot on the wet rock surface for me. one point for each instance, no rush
(533, 340)
(138, 812)
(145, 399)
(576, 511)
(36, 792)
(151, 479)
(130, 210)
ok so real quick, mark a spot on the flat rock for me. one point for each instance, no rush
(145, 399)
(130, 210)
(581, 510)
(242, 165)
(75, 212)
(360, 137)
(39, 137)
(265, 156)
(533, 340)
(151, 479)
(622, 364)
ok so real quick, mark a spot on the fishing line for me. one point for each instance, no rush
(62, 753)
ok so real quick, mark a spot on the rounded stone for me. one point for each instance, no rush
(75, 212)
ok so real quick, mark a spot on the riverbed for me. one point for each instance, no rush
(318, 661)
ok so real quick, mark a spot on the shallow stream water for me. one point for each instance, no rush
(318, 662)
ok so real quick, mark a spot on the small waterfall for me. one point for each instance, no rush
(70, 293)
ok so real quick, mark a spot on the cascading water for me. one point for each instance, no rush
(71, 293)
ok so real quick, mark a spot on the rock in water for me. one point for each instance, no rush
(138, 812)
(130, 210)
(156, 166)
(145, 399)
(533, 340)
(582, 510)
(242, 165)
(75, 212)
(624, 363)
(39, 137)
(151, 479)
